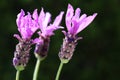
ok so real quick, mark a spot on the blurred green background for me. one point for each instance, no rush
(97, 55)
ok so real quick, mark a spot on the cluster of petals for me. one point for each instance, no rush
(26, 25)
(44, 19)
(76, 23)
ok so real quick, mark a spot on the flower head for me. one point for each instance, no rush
(76, 23)
(46, 31)
(26, 26)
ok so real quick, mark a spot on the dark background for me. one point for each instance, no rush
(97, 55)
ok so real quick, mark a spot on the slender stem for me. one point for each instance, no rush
(36, 69)
(59, 71)
(17, 75)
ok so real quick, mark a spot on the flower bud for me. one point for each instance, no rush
(42, 48)
(68, 48)
(21, 55)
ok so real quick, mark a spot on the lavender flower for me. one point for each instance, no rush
(46, 31)
(75, 24)
(26, 26)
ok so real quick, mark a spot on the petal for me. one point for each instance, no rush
(26, 31)
(22, 23)
(76, 16)
(89, 19)
(49, 32)
(58, 19)
(18, 37)
(36, 40)
(82, 17)
(77, 13)
(35, 15)
(75, 26)
(86, 22)
(41, 15)
(64, 32)
(76, 22)
(34, 25)
(28, 18)
(46, 20)
(19, 16)
(50, 29)
(69, 16)
(41, 18)
(70, 11)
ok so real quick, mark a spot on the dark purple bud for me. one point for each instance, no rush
(68, 47)
(42, 48)
(21, 54)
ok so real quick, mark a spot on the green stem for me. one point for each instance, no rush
(17, 75)
(36, 69)
(59, 71)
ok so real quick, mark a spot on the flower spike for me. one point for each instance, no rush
(75, 24)
(46, 31)
(27, 27)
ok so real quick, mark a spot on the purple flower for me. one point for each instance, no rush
(46, 31)
(75, 23)
(26, 25)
